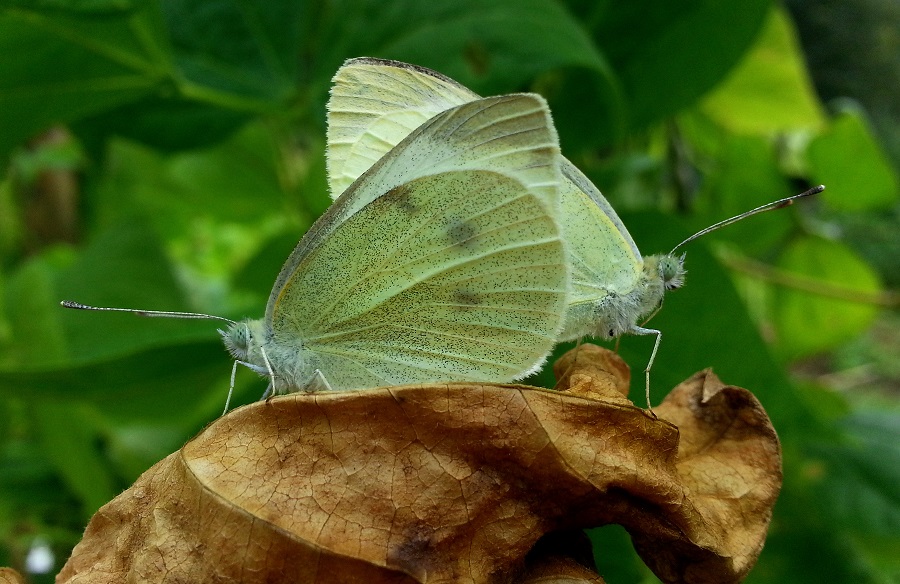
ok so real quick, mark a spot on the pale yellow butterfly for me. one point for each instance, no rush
(375, 103)
(441, 262)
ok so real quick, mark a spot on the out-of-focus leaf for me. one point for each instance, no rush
(28, 482)
(490, 47)
(770, 90)
(747, 176)
(874, 237)
(879, 552)
(159, 382)
(848, 160)
(124, 267)
(669, 54)
(95, 7)
(59, 66)
(35, 335)
(70, 442)
(851, 51)
(239, 50)
(806, 323)
(861, 483)
(165, 123)
(233, 61)
(235, 181)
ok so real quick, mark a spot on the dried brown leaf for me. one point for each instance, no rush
(10, 576)
(451, 482)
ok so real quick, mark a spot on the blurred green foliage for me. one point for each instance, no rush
(169, 154)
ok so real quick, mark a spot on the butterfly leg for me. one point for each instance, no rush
(255, 369)
(230, 387)
(637, 330)
(268, 393)
(268, 370)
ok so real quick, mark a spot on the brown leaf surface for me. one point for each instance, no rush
(449, 483)
(10, 576)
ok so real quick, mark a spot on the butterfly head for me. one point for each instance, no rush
(243, 339)
(671, 271)
(237, 340)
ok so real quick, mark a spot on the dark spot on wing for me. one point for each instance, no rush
(403, 199)
(466, 298)
(461, 233)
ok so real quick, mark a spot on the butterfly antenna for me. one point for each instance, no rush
(153, 313)
(781, 203)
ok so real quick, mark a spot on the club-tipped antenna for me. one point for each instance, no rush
(767, 207)
(151, 313)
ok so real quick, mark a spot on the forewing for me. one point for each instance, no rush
(374, 105)
(511, 135)
(456, 276)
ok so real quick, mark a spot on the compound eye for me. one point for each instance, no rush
(237, 340)
(671, 270)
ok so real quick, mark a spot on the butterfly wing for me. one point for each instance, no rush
(458, 275)
(512, 135)
(443, 261)
(375, 103)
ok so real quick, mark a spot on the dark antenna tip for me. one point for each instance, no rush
(779, 204)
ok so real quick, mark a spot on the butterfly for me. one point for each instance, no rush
(375, 103)
(442, 261)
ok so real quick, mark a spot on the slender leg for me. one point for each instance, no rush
(230, 388)
(268, 367)
(636, 330)
(268, 393)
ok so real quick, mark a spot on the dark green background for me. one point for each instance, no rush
(168, 155)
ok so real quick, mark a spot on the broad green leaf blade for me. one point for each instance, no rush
(70, 442)
(237, 50)
(155, 383)
(770, 90)
(850, 162)
(57, 67)
(668, 54)
(495, 47)
(805, 322)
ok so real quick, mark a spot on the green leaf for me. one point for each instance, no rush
(70, 443)
(770, 90)
(238, 49)
(167, 382)
(28, 483)
(668, 54)
(168, 123)
(747, 176)
(491, 47)
(56, 66)
(124, 267)
(806, 322)
(237, 180)
(35, 333)
(851, 164)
